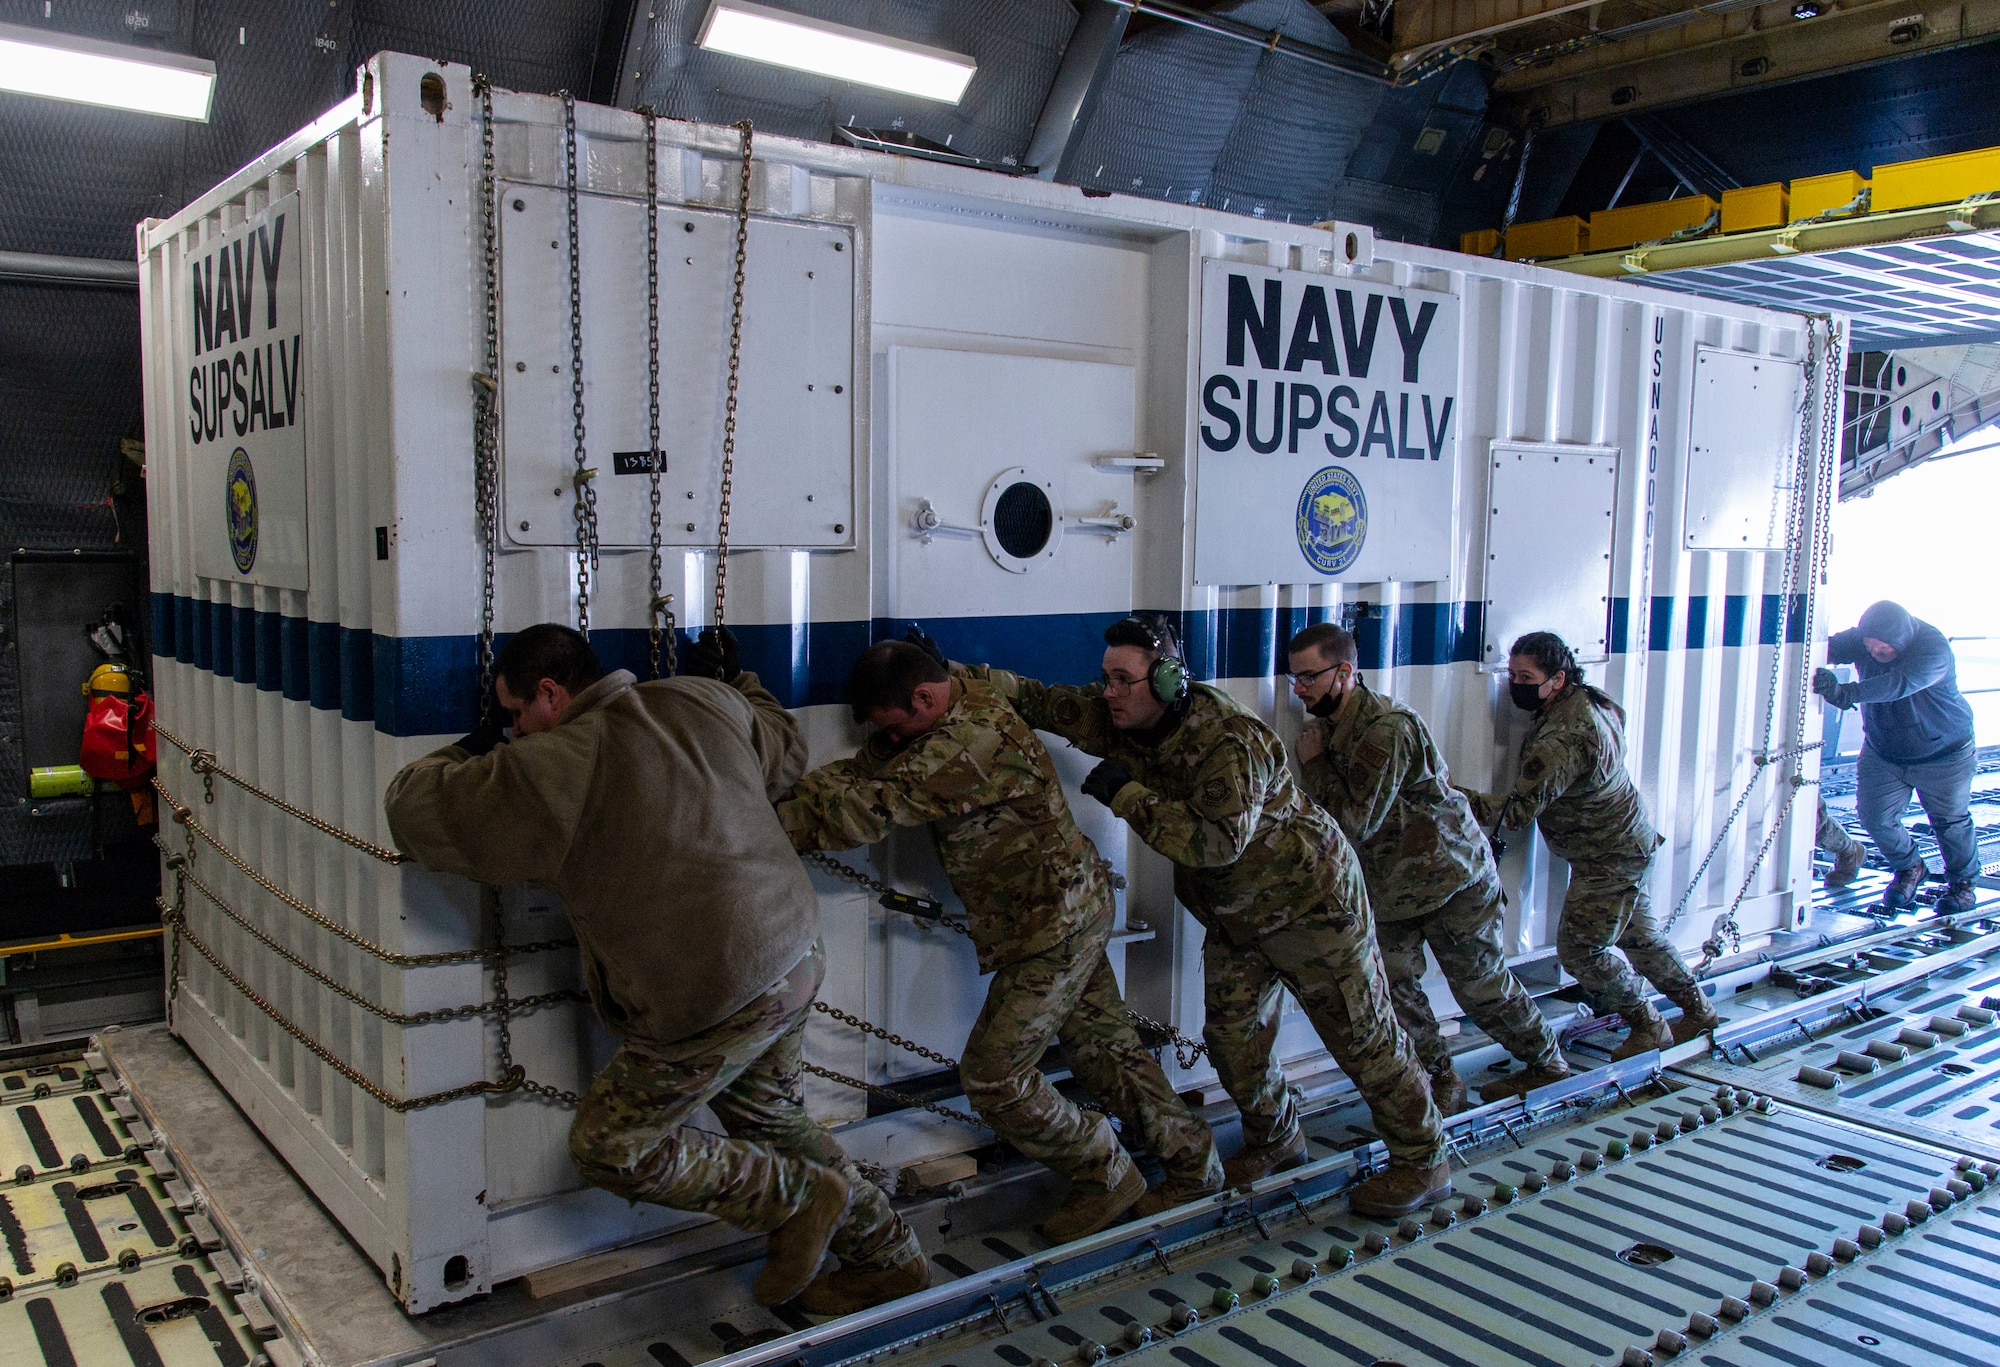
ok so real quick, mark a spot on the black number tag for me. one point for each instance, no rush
(913, 905)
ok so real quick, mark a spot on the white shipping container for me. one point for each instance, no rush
(989, 404)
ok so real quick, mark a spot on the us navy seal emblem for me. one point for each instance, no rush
(240, 509)
(1332, 519)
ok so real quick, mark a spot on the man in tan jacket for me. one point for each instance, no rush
(647, 808)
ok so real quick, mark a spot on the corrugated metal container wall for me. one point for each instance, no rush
(919, 340)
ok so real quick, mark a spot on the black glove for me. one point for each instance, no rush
(1826, 683)
(1105, 780)
(713, 656)
(491, 730)
(921, 639)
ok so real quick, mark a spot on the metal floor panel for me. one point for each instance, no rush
(1923, 1060)
(1571, 1250)
(98, 1267)
(175, 1314)
(69, 1132)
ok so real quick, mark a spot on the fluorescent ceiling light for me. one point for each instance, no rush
(60, 66)
(764, 34)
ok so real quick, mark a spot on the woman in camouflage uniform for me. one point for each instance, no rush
(1573, 785)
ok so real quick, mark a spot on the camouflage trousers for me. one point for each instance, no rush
(631, 1135)
(1608, 906)
(1328, 959)
(1068, 993)
(1464, 936)
(1828, 834)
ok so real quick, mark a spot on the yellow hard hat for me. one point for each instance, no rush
(111, 679)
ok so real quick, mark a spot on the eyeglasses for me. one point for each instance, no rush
(1118, 683)
(1306, 676)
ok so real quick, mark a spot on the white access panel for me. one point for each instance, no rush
(965, 427)
(794, 470)
(1745, 424)
(1550, 517)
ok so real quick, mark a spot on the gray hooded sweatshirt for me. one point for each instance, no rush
(1911, 706)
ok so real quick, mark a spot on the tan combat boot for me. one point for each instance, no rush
(1255, 1161)
(1524, 1080)
(1447, 1088)
(1649, 1031)
(1698, 1015)
(1403, 1189)
(797, 1245)
(844, 1290)
(1179, 1188)
(1846, 865)
(1089, 1207)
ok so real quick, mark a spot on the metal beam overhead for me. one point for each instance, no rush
(614, 80)
(41, 269)
(1268, 39)
(1688, 163)
(1079, 80)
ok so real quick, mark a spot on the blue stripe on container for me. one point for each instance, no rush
(1735, 608)
(323, 665)
(295, 651)
(426, 685)
(222, 639)
(269, 627)
(201, 650)
(161, 608)
(1660, 631)
(357, 679)
(243, 634)
(1697, 623)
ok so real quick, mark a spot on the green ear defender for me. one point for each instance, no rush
(1167, 680)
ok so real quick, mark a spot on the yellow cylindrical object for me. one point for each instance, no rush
(61, 780)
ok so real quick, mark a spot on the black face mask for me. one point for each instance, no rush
(1326, 706)
(1526, 696)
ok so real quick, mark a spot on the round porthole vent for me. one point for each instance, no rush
(1018, 520)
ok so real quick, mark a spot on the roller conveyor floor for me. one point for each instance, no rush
(1719, 1204)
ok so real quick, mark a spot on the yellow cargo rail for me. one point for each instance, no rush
(1756, 220)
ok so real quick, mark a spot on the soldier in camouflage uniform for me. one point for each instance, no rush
(647, 809)
(951, 754)
(1275, 886)
(1574, 786)
(1371, 763)
(1848, 853)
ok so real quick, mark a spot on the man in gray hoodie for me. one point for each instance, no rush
(1919, 732)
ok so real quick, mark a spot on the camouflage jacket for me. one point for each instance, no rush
(1381, 777)
(985, 785)
(1214, 795)
(1574, 784)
